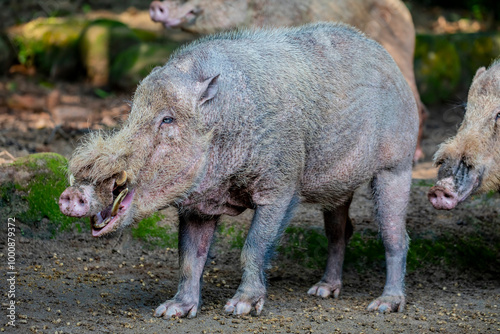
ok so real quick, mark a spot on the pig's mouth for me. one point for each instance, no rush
(108, 219)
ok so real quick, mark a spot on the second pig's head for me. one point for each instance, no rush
(200, 16)
(151, 162)
(470, 161)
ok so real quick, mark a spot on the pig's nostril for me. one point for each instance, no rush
(82, 202)
(447, 196)
(161, 10)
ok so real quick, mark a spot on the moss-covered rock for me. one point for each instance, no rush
(49, 44)
(30, 189)
(101, 41)
(69, 47)
(135, 63)
(445, 64)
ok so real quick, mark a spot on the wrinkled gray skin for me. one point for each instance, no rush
(470, 161)
(265, 120)
(388, 22)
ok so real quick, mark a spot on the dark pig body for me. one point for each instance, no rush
(260, 120)
(389, 22)
(470, 161)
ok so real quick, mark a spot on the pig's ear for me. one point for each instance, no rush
(208, 89)
(480, 71)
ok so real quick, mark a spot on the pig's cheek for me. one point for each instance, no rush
(172, 132)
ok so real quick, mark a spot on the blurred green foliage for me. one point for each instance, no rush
(477, 7)
(446, 64)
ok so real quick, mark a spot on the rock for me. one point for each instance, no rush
(29, 190)
(66, 48)
(135, 63)
(100, 43)
(95, 54)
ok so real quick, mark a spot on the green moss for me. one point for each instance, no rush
(145, 35)
(308, 246)
(37, 197)
(117, 37)
(47, 41)
(149, 231)
(366, 250)
(233, 235)
(135, 63)
(422, 183)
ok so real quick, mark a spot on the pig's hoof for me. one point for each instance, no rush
(243, 306)
(323, 289)
(172, 308)
(388, 304)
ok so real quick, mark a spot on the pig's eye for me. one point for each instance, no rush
(498, 117)
(167, 120)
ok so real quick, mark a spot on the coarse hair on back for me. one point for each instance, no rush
(275, 34)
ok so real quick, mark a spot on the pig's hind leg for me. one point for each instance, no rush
(338, 229)
(391, 190)
(195, 236)
(268, 223)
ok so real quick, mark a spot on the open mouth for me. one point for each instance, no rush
(106, 220)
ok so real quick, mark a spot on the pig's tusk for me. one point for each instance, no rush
(118, 201)
(103, 223)
(71, 180)
(122, 178)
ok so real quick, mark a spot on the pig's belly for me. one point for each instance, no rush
(331, 181)
(329, 190)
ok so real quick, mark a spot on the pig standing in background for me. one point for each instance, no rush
(470, 161)
(260, 120)
(387, 21)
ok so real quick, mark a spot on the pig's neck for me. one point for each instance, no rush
(225, 198)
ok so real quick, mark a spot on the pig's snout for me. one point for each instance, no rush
(73, 203)
(158, 11)
(442, 198)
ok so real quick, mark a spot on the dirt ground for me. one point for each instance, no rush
(73, 283)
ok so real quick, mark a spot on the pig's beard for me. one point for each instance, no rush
(175, 190)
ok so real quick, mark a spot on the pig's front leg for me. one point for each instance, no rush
(391, 195)
(267, 225)
(195, 236)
